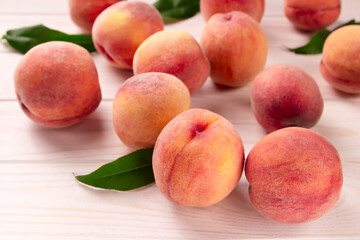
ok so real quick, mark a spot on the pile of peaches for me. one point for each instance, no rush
(295, 175)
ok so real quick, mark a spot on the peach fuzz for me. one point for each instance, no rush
(254, 8)
(84, 12)
(340, 64)
(144, 104)
(57, 84)
(284, 95)
(198, 158)
(236, 47)
(295, 175)
(121, 28)
(174, 52)
(312, 15)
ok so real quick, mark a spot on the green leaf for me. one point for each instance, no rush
(173, 10)
(126, 173)
(23, 39)
(316, 43)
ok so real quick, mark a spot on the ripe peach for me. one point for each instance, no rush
(57, 84)
(284, 96)
(236, 47)
(121, 28)
(144, 104)
(295, 175)
(174, 52)
(84, 12)
(340, 64)
(198, 158)
(312, 15)
(255, 8)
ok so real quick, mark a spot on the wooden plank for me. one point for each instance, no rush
(111, 78)
(44, 201)
(41, 7)
(279, 32)
(95, 139)
(40, 199)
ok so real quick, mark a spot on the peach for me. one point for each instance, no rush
(284, 95)
(84, 12)
(174, 52)
(255, 8)
(144, 104)
(312, 15)
(236, 47)
(295, 175)
(121, 28)
(57, 84)
(340, 64)
(198, 158)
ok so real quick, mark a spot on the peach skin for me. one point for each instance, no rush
(340, 64)
(144, 104)
(254, 8)
(198, 158)
(57, 84)
(174, 52)
(312, 15)
(120, 29)
(284, 95)
(84, 12)
(236, 47)
(295, 175)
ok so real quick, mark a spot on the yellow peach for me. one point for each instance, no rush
(198, 158)
(284, 95)
(144, 104)
(84, 12)
(57, 84)
(174, 52)
(295, 175)
(120, 29)
(236, 47)
(255, 8)
(340, 64)
(312, 15)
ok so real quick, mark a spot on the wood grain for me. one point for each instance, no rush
(95, 139)
(40, 198)
(45, 200)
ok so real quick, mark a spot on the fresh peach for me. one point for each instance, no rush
(295, 175)
(312, 15)
(144, 104)
(284, 95)
(255, 8)
(84, 12)
(236, 47)
(121, 28)
(340, 64)
(174, 52)
(198, 158)
(57, 84)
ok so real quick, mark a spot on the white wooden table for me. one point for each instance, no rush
(40, 198)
